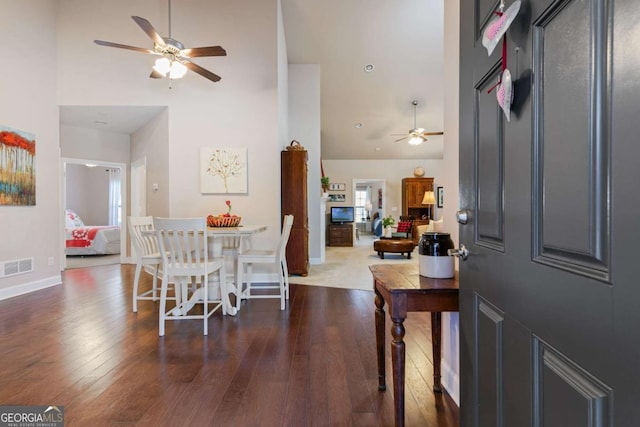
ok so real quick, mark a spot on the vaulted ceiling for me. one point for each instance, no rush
(403, 40)
(360, 109)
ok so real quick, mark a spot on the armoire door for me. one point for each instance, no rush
(550, 291)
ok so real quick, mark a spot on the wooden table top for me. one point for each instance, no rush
(405, 278)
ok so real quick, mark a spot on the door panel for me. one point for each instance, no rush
(549, 293)
(571, 123)
(489, 164)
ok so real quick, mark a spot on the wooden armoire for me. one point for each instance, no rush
(293, 185)
(412, 193)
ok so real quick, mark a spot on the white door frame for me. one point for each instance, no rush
(64, 161)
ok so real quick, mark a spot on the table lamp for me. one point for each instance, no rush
(368, 208)
(429, 199)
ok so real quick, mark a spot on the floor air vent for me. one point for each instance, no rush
(19, 266)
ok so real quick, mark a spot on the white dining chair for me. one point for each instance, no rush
(276, 257)
(145, 244)
(185, 258)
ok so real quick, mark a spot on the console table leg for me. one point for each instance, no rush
(380, 325)
(436, 340)
(397, 360)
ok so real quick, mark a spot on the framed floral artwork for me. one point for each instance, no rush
(223, 170)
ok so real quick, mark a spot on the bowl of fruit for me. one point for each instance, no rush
(224, 220)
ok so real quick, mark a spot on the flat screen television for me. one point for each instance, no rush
(342, 215)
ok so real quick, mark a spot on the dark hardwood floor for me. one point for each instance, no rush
(79, 345)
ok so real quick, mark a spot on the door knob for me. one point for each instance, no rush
(462, 253)
(462, 216)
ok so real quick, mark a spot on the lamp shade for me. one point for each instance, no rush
(368, 206)
(429, 198)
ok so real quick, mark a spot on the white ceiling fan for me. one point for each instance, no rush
(416, 135)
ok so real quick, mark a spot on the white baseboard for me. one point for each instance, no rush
(25, 288)
(450, 381)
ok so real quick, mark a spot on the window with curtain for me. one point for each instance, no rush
(115, 197)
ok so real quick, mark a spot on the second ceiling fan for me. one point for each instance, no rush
(175, 58)
(416, 135)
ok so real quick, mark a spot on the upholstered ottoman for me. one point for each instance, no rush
(396, 246)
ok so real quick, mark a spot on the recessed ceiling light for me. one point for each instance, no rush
(358, 125)
(377, 148)
(369, 68)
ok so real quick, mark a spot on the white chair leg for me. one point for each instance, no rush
(282, 291)
(249, 278)
(155, 283)
(163, 305)
(136, 281)
(285, 271)
(239, 279)
(205, 303)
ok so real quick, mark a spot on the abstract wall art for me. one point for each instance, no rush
(17, 167)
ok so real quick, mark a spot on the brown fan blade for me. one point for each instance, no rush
(156, 75)
(432, 133)
(195, 52)
(401, 139)
(203, 72)
(124, 46)
(148, 28)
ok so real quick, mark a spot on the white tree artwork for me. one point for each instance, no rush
(223, 170)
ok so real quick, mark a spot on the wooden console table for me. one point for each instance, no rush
(404, 290)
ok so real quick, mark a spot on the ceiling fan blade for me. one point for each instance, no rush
(203, 51)
(156, 75)
(401, 139)
(203, 72)
(124, 46)
(148, 28)
(432, 133)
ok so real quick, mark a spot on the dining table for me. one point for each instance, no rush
(227, 243)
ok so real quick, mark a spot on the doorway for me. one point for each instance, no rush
(368, 201)
(67, 187)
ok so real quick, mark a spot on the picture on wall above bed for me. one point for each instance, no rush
(17, 167)
(223, 170)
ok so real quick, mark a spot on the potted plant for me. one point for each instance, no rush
(324, 181)
(387, 222)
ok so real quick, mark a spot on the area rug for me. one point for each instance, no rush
(348, 267)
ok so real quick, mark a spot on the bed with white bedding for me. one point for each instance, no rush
(82, 239)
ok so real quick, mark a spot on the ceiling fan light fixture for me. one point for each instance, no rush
(163, 65)
(416, 140)
(178, 70)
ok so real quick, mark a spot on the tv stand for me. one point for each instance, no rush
(340, 234)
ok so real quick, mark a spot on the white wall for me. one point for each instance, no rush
(30, 105)
(88, 193)
(152, 143)
(239, 111)
(91, 144)
(304, 126)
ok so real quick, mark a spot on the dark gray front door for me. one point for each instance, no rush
(550, 292)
